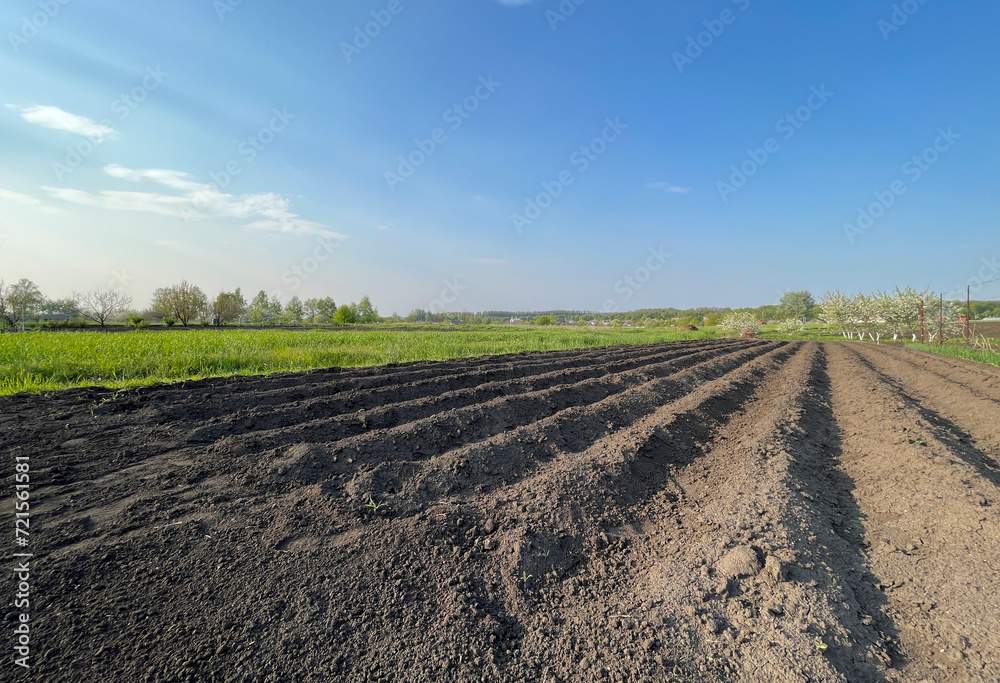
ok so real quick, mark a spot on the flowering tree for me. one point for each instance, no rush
(738, 319)
(834, 309)
(790, 326)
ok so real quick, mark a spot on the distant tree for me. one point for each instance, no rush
(310, 309)
(294, 312)
(797, 305)
(264, 310)
(257, 309)
(790, 326)
(835, 311)
(416, 316)
(366, 313)
(327, 307)
(545, 320)
(274, 310)
(100, 304)
(345, 316)
(765, 313)
(67, 306)
(229, 306)
(738, 319)
(183, 302)
(19, 302)
(712, 319)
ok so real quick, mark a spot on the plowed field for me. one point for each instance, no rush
(717, 510)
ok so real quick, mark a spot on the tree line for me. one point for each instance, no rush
(184, 304)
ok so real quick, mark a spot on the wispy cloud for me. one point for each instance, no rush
(18, 197)
(270, 211)
(59, 119)
(667, 187)
(26, 200)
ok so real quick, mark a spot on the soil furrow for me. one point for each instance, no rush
(968, 420)
(979, 379)
(447, 430)
(752, 487)
(930, 522)
(388, 406)
(360, 381)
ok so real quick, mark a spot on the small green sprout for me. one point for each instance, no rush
(820, 645)
(373, 505)
(524, 577)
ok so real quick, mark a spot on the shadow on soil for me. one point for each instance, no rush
(947, 432)
(815, 466)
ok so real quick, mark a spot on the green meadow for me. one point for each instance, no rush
(45, 361)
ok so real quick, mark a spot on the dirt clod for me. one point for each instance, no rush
(739, 562)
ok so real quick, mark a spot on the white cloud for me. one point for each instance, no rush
(178, 180)
(27, 201)
(667, 187)
(18, 197)
(198, 201)
(58, 119)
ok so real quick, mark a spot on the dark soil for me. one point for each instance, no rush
(715, 510)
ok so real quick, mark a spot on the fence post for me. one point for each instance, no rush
(968, 314)
(941, 322)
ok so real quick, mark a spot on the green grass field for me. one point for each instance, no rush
(961, 351)
(44, 361)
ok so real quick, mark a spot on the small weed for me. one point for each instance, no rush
(524, 577)
(375, 507)
(820, 645)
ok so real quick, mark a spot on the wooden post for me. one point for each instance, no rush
(941, 322)
(968, 314)
(923, 323)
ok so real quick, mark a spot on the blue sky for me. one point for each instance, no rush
(585, 160)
